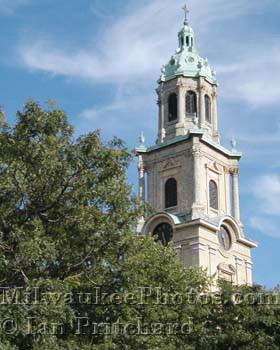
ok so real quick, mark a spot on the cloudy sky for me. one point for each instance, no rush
(100, 60)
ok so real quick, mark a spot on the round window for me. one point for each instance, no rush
(224, 238)
(163, 233)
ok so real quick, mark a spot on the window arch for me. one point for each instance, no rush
(207, 108)
(213, 195)
(172, 107)
(171, 193)
(191, 103)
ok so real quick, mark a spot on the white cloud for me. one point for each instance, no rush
(133, 46)
(266, 191)
(266, 194)
(261, 138)
(258, 142)
(94, 113)
(255, 78)
(265, 225)
(8, 7)
(127, 113)
(276, 165)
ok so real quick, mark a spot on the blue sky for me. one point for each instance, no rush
(100, 61)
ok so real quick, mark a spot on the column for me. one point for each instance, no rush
(227, 190)
(212, 268)
(248, 269)
(161, 111)
(141, 194)
(181, 104)
(201, 106)
(215, 111)
(238, 273)
(235, 194)
(199, 254)
(141, 179)
(196, 174)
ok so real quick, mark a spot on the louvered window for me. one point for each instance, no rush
(191, 103)
(213, 194)
(207, 109)
(170, 193)
(172, 107)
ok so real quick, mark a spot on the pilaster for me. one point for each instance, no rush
(248, 269)
(161, 115)
(141, 180)
(201, 105)
(197, 207)
(235, 193)
(198, 249)
(141, 192)
(212, 268)
(214, 111)
(181, 109)
(238, 267)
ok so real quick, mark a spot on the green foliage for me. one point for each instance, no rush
(65, 207)
(66, 216)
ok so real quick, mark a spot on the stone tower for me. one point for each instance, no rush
(188, 177)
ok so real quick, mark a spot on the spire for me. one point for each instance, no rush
(186, 34)
(186, 60)
(186, 10)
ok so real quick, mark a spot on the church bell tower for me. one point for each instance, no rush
(188, 177)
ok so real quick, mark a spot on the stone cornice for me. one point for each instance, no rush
(191, 133)
(213, 227)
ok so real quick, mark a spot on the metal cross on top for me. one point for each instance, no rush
(186, 10)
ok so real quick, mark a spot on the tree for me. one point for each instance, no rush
(65, 207)
(66, 218)
(73, 274)
(248, 318)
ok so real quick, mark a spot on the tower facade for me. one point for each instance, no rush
(188, 177)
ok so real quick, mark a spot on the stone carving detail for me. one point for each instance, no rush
(180, 84)
(195, 121)
(169, 164)
(214, 94)
(215, 166)
(141, 167)
(225, 268)
(196, 151)
(226, 272)
(226, 170)
(234, 171)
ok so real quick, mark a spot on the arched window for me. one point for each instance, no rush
(172, 107)
(213, 195)
(207, 108)
(191, 104)
(170, 193)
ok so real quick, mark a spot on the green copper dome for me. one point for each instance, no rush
(186, 61)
